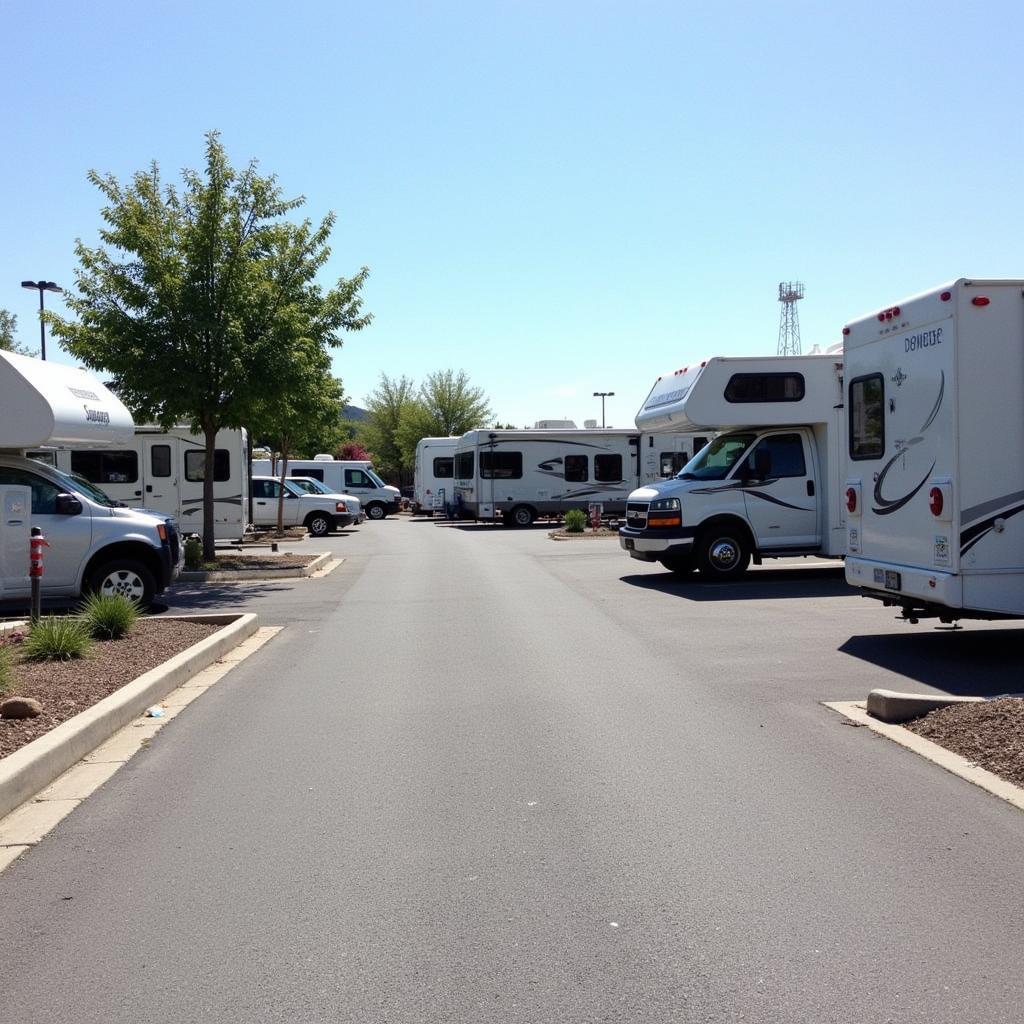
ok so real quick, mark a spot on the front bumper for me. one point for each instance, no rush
(653, 545)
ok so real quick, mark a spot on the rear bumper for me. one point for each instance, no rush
(926, 586)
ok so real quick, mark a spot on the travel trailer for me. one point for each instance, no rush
(433, 472)
(94, 543)
(770, 486)
(520, 475)
(935, 488)
(162, 471)
(354, 477)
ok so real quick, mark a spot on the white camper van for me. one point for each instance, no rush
(523, 474)
(770, 486)
(433, 473)
(935, 491)
(94, 543)
(163, 472)
(354, 476)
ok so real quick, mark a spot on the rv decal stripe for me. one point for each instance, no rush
(776, 501)
(973, 534)
(236, 500)
(886, 506)
(994, 505)
(938, 402)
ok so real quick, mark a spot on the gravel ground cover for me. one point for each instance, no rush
(65, 688)
(989, 734)
(240, 563)
(588, 534)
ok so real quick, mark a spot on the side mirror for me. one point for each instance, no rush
(68, 505)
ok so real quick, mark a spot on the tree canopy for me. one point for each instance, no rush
(8, 342)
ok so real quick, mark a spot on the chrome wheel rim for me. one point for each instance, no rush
(723, 555)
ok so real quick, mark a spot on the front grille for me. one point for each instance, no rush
(636, 514)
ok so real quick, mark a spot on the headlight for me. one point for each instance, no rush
(665, 505)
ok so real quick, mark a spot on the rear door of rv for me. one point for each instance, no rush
(161, 465)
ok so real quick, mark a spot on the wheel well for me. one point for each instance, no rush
(127, 549)
(732, 523)
(317, 512)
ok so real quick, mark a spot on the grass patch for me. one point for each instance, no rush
(56, 638)
(6, 672)
(109, 616)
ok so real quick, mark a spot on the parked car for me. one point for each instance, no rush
(312, 486)
(318, 513)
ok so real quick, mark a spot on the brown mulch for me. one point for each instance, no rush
(240, 563)
(265, 536)
(990, 734)
(65, 688)
(588, 534)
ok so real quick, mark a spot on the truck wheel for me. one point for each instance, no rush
(127, 578)
(375, 510)
(681, 565)
(319, 524)
(722, 553)
(522, 515)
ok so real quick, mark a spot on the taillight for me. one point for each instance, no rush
(935, 501)
(980, 300)
(851, 500)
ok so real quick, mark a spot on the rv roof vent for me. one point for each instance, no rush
(323, 458)
(555, 425)
(590, 424)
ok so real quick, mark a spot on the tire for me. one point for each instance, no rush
(522, 515)
(319, 524)
(375, 510)
(723, 553)
(126, 577)
(680, 565)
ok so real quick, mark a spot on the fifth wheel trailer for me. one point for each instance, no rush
(768, 487)
(935, 389)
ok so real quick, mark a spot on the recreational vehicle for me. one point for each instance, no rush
(94, 543)
(769, 486)
(162, 471)
(433, 472)
(520, 475)
(935, 492)
(354, 477)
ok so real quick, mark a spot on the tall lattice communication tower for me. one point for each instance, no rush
(790, 292)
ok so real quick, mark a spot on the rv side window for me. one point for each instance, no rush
(698, 443)
(506, 465)
(608, 468)
(106, 467)
(672, 462)
(867, 417)
(443, 468)
(316, 474)
(160, 460)
(765, 387)
(195, 465)
(785, 455)
(357, 478)
(577, 471)
(464, 465)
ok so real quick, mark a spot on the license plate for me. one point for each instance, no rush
(888, 578)
(630, 543)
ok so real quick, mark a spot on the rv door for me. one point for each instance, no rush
(15, 524)
(160, 460)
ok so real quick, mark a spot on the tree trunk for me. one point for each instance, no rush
(210, 434)
(280, 498)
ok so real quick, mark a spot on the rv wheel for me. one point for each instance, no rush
(127, 578)
(523, 515)
(375, 510)
(722, 553)
(319, 524)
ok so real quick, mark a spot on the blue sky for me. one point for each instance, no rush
(559, 197)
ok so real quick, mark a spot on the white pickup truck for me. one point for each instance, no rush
(318, 513)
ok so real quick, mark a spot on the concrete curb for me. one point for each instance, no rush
(245, 575)
(856, 711)
(33, 767)
(893, 707)
(13, 627)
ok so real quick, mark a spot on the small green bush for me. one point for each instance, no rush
(193, 554)
(575, 520)
(56, 638)
(5, 669)
(109, 616)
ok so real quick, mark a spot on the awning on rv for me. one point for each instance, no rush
(47, 403)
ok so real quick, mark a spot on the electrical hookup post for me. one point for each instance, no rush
(35, 570)
(595, 513)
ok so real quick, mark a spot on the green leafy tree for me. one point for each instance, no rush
(8, 325)
(453, 404)
(195, 292)
(386, 406)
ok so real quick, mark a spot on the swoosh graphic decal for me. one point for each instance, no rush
(886, 506)
(938, 401)
(975, 533)
(777, 501)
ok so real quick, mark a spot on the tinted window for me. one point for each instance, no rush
(464, 465)
(867, 417)
(765, 387)
(608, 468)
(106, 467)
(357, 478)
(160, 460)
(577, 469)
(501, 465)
(44, 494)
(265, 488)
(785, 453)
(316, 474)
(195, 465)
(443, 468)
(672, 462)
(698, 443)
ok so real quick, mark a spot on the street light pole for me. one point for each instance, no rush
(603, 395)
(42, 286)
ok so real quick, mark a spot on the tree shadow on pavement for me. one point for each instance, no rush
(758, 585)
(187, 597)
(967, 663)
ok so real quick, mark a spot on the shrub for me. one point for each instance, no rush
(56, 638)
(109, 616)
(575, 520)
(5, 669)
(193, 554)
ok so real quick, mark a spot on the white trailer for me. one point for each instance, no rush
(770, 486)
(520, 475)
(355, 477)
(162, 471)
(433, 473)
(936, 479)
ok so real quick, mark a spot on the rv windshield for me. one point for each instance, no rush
(714, 461)
(76, 482)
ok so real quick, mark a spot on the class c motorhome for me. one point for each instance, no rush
(935, 491)
(769, 486)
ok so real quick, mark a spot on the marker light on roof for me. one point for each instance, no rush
(846, 330)
(946, 296)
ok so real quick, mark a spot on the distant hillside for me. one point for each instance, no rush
(353, 412)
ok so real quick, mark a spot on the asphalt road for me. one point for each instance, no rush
(482, 776)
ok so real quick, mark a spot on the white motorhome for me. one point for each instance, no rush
(520, 475)
(936, 480)
(343, 476)
(94, 543)
(433, 473)
(162, 471)
(769, 486)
